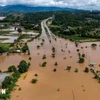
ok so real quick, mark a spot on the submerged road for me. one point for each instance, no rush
(62, 84)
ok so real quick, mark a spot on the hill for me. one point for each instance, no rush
(24, 8)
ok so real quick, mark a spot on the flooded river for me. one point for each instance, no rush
(59, 85)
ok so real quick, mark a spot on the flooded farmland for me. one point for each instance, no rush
(13, 35)
(62, 84)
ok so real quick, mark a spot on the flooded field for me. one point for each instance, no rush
(8, 39)
(13, 35)
(62, 84)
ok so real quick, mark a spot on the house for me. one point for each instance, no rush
(91, 64)
(18, 51)
(67, 30)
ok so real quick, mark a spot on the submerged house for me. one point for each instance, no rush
(91, 64)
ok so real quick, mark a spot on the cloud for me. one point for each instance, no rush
(79, 4)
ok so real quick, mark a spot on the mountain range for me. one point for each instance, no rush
(24, 8)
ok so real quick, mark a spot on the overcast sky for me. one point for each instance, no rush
(79, 4)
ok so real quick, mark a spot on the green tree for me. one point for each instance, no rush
(12, 68)
(19, 30)
(81, 60)
(55, 70)
(83, 55)
(2, 50)
(93, 45)
(68, 68)
(23, 66)
(7, 81)
(56, 64)
(44, 64)
(25, 48)
(34, 81)
(86, 70)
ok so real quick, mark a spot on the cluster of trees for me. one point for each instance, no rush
(73, 19)
(2, 50)
(23, 66)
(25, 48)
(28, 20)
(9, 84)
(81, 60)
(4, 47)
(31, 19)
(81, 23)
(12, 18)
(10, 81)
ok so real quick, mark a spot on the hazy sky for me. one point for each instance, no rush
(80, 4)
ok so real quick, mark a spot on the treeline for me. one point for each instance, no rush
(33, 20)
(28, 20)
(10, 81)
(77, 19)
(82, 23)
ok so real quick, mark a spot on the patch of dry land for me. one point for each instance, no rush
(61, 84)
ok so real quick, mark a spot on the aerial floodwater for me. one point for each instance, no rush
(59, 85)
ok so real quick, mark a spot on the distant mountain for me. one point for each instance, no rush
(23, 8)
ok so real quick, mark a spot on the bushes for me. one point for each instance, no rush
(68, 68)
(76, 70)
(29, 64)
(36, 75)
(78, 50)
(93, 45)
(38, 46)
(30, 58)
(83, 55)
(86, 70)
(2, 50)
(56, 64)
(53, 55)
(55, 70)
(4, 47)
(20, 89)
(25, 48)
(81, 60)
(43, 64)
(53, 49)
(34, 81)
(44, 57)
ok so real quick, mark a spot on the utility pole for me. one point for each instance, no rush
(73, 94)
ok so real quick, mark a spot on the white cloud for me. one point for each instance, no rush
(80, 4)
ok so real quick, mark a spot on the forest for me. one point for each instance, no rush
(81, 24)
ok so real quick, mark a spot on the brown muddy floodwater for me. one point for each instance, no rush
(71, 85)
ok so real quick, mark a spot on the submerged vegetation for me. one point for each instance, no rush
(44, 64)
(4, 47)
(81, 60)
(10, 81)
(34, 81)
(73, 26)
(76, 26)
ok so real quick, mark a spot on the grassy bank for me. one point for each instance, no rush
(5, 46)
(4, 32)
(76, 37)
